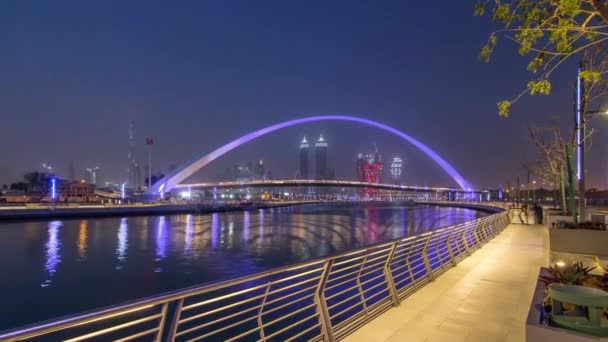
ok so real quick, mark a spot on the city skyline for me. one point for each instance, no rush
(194, 98)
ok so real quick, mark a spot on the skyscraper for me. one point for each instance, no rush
(91, 175)
(369, 169)
(396, 169)
(132, 167)
(259, 171)
(321, 158)
(303, 171)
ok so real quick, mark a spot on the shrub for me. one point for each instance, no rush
(570, 274)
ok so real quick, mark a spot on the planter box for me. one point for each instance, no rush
(554, 218)
(549, 211)
(537, 332)
(579, 241)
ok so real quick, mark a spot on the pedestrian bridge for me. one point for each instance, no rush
(312, 182)
(174, 178)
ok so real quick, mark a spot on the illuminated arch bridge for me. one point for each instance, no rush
(309, 182)
(174, 178)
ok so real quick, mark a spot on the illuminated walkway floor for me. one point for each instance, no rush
(485, 298)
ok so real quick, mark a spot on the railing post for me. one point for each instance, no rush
(476, 233)
(392, 289)
(260, 322)
(175, 320)
(449, 247)
(464, 239)
(425, 258)
(161, 324)
(324, 318)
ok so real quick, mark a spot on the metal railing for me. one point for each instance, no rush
(321, 299)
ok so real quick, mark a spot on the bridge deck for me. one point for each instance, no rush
(485, 298)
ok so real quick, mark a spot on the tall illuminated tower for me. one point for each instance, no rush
(303, 171)
(132, 167)
(321, 158)
(396, 169)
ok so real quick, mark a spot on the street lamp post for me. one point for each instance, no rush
(581, 122)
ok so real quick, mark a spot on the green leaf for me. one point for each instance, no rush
(539, 87)
(504, 107)
(591, 76)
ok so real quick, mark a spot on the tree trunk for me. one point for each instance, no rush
(562, 181)
(571, 179)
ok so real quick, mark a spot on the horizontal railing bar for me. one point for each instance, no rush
(291, 326)
(274, 300)
(134, 336)
(300, 283)
(301, 333)
(345, 300)
(114, 328)
(220, 309)
(287, 304)
(223, 318)
(282, 280)
(364, 255)
(227, 296)
(198, 327)
(347, 309)
(267, 324)
(234, 338)
(381, 264)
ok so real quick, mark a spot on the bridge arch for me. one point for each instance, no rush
(172, 179)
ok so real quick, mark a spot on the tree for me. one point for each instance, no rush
(19, 186)
(548, 32)
(38, 182)
(551, 147)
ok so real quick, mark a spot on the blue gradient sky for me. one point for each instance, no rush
(196, 74)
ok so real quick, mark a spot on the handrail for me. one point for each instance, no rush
(261, 303)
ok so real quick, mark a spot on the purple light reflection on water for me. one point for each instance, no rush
(161, 243)
(53, 246)
(215, 227)
(188, 236)
(123, 236)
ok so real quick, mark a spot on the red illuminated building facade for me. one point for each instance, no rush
(370, 169)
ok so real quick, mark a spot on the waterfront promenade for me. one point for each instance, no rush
(484, 298)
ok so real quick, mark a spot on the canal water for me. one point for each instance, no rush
(54, 268)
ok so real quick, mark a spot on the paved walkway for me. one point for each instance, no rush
(485, 298)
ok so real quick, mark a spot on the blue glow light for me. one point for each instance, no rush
(122, 191)
(53, 188)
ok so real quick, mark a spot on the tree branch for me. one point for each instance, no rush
(601, 8)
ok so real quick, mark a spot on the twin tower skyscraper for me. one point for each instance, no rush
(321, 171)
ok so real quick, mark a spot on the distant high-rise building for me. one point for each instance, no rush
(369, 169)
(303, 171)
(91, 175)
(132, 167)
(396, 169)
(259, 170)
(321, 158)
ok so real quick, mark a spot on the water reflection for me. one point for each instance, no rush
(161, 242)
(53, 245)
(121, 250)
(188, 236)
(215, 222)
(82, 241)
(87, 259)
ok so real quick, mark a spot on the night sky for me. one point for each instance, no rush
(197, 74)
